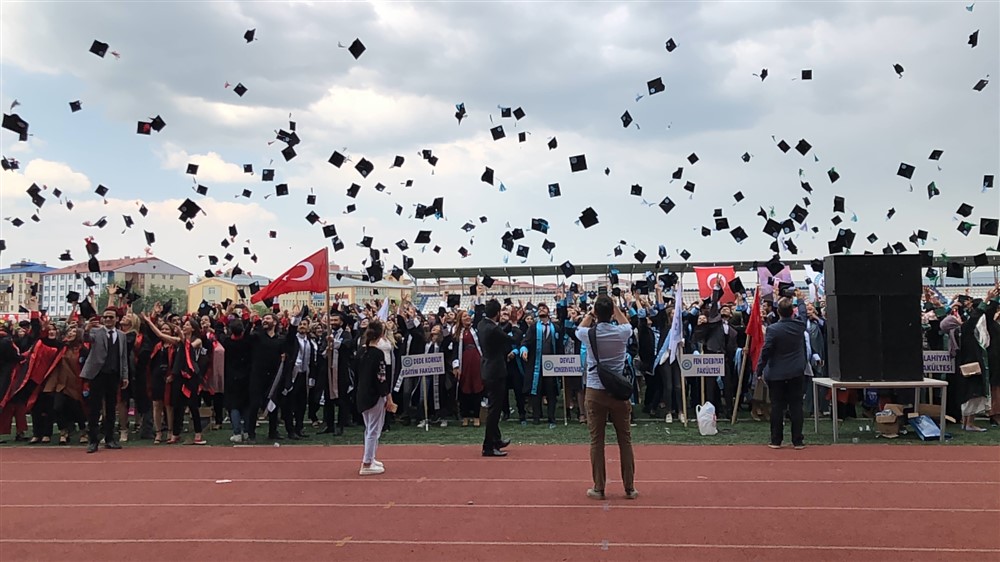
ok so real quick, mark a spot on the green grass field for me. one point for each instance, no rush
(646, 431)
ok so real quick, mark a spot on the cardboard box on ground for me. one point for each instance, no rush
(892, 417)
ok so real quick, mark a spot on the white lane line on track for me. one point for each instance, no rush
(423, 479)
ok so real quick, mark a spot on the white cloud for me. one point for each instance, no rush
(211, 166)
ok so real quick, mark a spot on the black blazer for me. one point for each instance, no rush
(784, 354)
(495, 345)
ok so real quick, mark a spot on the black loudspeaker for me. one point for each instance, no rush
(873, 318)
(873, 275)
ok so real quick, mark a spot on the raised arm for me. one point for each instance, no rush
(164, 337)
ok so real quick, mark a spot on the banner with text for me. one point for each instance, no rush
(710, 365)
(937, 362)
(422, 365)
(561, 366)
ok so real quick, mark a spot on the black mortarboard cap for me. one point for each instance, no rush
(352, 191)
(541, 225)
(522, 251)
(678, 173)
(189, 209)
(722, 223)
(803, 147)
(488, 281)
(72, 296)
(640, 256)
(337, 159)
(397, 162)
(548, 246)
(685, 254)
(964, 210)
(192, 169)
(518, 114)
(554, 190)
(738, 196)
(799, 214)
(150, 237)
(784, 146)
(364, 167)
(905, 170)
(670, 45)
(626, 119)
(588, 217)
(772, 228)
(636, 190)
(497, 132)
(568, 269)
(312, 217)
(267, 175)
(351, 208)
(248, 36)
(288, 153)
(655, 86)
(14, 123)
(980, 260)
(157, 123)
(423, 237)
(98, 48)
(329, 231)
(988, 227)
(736, 285)
(487, 176)
(403, 245)
(838, 204)
(936, 154)
(454, 300)
(833, 175)
(965, 227)
(240, 89)
(93, 265)
(75, 106)
(955, 270)
(980, 85)
(65, 256)
(689, 186)
(738, 234)
(836, 220)
(87, 310)
(101, 190)
(987, 181)
(143, 128)
(356, 48)
(578, 163)
(553, 143)
(807, 74)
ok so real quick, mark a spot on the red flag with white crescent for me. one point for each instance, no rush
(311, 274)
(709, 277)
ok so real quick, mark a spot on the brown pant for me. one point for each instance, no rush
(599, 404)
(995, 402)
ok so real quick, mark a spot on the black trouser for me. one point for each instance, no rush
(137, 384)
(41, 416)
(654, 391)
(316, 396)
(515, 382)
(103, 389)
(729, 384)
(294, 409)
(495, 390)
(179, 403)
(67, 412)
(786, 395)
(549, 388)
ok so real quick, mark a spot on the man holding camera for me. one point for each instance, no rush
(612, 340)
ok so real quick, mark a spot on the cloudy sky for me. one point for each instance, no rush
(573, 68)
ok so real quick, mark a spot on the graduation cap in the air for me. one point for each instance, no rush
(14, 123)
(541, 225)
(689, 186)
(964, 210)
(364, 167)
(936, 154)
(678, 173)
(98, 48)
(248, 36)
(75, 106)
(932, 190)
(567, 269)
(553, 143)
(9, 163)
(838, 204)
(905, 170)
(497, 132)
(784, 146)
(685, 255)
(352, 191)
(329, 231)
(578, 163)
(670, 45)
(981, 85)
(356, 49)
(803, 147)
(833, 175)
(189, 210)
(965, 227)
(988, 227)
(192, 169)
(518, 114)
(807, 74)
(588, 217)
(423, 237)
(655, 86)
(101, 190)
(626, 119)
(890, 213)
(548, 246)
(554, 190)
(721, 223)
(150, 237)
(267, 175)
(337, 159)
(487, 176)
(898, 68)
(87, 310)
(312, 217)
(955, 270)
(240, 89)
(692, 158)
(987, 182)
(93, 265)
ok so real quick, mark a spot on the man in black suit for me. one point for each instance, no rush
(782, 365)
(495, 344)
(542, 338)
(299, 364)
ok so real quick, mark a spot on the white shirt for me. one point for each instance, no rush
(611, 342)
(302, 360)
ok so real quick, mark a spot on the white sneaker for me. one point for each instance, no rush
(246, 436)
(377, 463)
(444, 423)
(422, 424)
(683, 418)
(371, 470)
(236, 438)
(670, 418)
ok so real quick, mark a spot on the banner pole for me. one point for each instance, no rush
(739, 385)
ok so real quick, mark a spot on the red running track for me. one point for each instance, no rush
(448, 503)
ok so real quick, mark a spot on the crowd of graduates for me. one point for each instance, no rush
(291, 368)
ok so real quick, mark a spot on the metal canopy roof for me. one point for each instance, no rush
(630, 268)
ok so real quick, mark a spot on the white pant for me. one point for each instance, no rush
(374, 419)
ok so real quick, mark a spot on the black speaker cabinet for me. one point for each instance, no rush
(873, 318)
(874, 338)
(873, 275)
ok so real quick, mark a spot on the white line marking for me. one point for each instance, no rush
(504, 480)
(354, 541)
(592, 506)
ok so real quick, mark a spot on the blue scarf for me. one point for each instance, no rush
(538, 358)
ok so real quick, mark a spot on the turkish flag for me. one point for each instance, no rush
(311, 274)
(709, 277)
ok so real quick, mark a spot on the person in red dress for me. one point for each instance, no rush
(470, 381)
